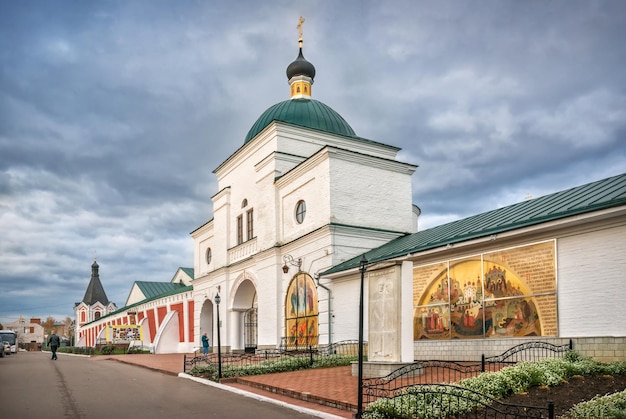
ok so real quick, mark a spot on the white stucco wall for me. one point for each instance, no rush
(345, 313)
(592, 283)
(371, 193)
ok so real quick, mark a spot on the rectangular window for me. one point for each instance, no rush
(250, 225)
(240, 229)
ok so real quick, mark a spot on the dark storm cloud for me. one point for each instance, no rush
(114, 114)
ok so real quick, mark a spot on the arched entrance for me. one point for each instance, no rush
(244, 316)
(206, 324)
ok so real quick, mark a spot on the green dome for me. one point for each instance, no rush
(307, 113)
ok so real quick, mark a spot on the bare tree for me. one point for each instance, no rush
(68, 328)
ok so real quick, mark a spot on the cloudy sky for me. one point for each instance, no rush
(113, 115)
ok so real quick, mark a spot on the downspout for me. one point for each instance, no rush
(330, 316)
(316, 276)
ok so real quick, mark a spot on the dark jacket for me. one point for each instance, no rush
(54, 340)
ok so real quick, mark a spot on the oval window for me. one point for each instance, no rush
(300, 211)
(208, 256)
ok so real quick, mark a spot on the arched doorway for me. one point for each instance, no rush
(206, 324)
(250, 330)
(244, 316)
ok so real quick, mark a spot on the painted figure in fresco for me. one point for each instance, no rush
(468, 318)
(435, 322)
(301, 298)
(423, 317)
(294, 302)
(309, 299)
(294, 333)
(526, 310)
(297, 299)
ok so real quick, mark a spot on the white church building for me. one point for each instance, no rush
(303, 192)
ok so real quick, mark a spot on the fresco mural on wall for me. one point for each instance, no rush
(466, 298)
(507, 293)
(301, 311)
(123, 333)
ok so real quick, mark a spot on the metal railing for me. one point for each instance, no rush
(343, 348)
(424, 373)
(525, 352)
(298, 343)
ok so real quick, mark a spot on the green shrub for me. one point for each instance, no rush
(87, 350)
(282, 364)
(137, 350)
(107, 349)
(610, 406)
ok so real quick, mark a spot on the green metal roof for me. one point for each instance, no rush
(602, 194)
(188, 271)
(307, 113)
(180, 288)
(154, 289)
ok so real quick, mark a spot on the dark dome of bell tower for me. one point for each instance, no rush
(300, 67)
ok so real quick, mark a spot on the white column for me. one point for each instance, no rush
(406, 315)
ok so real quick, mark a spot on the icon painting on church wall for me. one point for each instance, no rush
(507, 293)
(301, 311)
(123, 333)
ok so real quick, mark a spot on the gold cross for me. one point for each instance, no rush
(299, 26)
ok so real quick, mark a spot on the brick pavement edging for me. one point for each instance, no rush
(304, 396)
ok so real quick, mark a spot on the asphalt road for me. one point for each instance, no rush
(33, 386)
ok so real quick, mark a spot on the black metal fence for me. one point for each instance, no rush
(417, 379)
(298, 343)
(528, 351)
(343, 348)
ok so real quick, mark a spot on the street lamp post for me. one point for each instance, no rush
(219, 341)
(362, 268)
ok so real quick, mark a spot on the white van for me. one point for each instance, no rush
(9, 337)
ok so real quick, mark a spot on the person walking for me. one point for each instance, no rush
(54, 342)
(205, 344)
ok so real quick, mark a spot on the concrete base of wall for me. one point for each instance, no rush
(376, 369)
(605, 349)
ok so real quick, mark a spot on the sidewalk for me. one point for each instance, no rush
(331, 391)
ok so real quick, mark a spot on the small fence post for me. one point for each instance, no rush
(550, 409)
(571, 345)
(482, 363)
(311, 355)
(185, 363)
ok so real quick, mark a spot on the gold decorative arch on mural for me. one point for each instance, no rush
(301, 311)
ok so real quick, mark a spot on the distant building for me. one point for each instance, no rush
(94, 305)
(157, 316)
(30, 334)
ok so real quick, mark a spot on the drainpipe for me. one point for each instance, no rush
(330, 316)
(316, 276)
